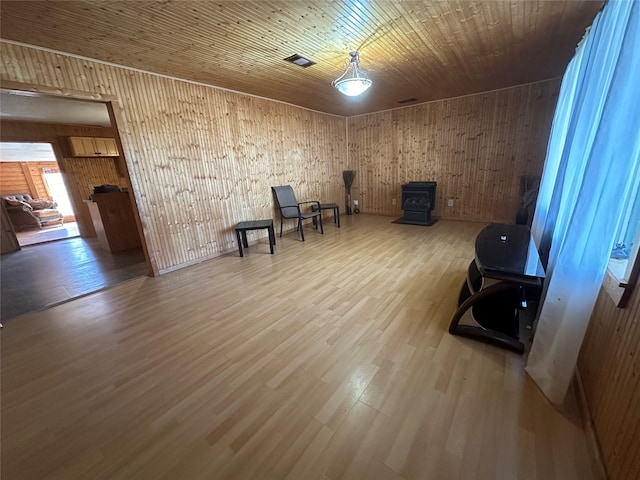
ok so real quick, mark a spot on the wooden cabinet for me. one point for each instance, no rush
(93, 147)
(114, 221)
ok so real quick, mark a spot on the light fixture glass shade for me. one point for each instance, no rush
(352, 87)
(353, 81)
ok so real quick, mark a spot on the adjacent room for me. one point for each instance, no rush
(46, 186)
(373, 239)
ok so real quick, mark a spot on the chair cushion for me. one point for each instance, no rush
(39, 204)
(47, 213)
(13, 202)
(25, 200)
(19, 197)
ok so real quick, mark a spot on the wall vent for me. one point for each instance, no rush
(408, 100)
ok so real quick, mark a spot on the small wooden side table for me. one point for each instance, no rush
(241, 231)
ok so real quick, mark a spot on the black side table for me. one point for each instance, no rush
(328, 206)
(242, 227)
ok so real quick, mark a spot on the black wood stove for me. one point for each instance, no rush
(418, 199)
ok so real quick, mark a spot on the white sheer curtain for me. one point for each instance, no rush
(592, 163)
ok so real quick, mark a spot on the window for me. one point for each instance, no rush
(58, 192)
(624, 264)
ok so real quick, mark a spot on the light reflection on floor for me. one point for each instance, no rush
(36, 235)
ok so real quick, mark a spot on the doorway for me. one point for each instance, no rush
(45, 273)
(32, 168)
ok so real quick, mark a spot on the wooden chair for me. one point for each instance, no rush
(290, 208)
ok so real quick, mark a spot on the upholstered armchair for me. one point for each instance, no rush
(25, 211)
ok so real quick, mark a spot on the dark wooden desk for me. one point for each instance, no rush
(505, 273)
(241, 231)
(114, 221)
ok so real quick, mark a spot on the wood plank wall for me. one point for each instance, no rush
(13, 179)
(25, 177)
(201, 159)
(610, 370)
(80, 174)
(475, 148)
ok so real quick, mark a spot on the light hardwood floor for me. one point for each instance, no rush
(330, 359)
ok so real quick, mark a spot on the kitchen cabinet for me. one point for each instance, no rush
(93, 147)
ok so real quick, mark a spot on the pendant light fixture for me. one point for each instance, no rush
(353, 81)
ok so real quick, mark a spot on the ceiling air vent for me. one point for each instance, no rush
(301, 61)
(408, 100)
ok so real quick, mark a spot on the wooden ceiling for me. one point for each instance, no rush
(423, 50)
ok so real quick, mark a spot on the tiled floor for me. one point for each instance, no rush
(39, 276)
